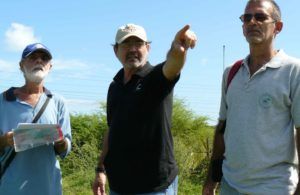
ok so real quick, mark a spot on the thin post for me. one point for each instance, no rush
(223, 57)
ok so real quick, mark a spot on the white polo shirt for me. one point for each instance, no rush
(261, 113)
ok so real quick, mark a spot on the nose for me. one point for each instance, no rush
(133, 47)
(39, 59)
(252, 20)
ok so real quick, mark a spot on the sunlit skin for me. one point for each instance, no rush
(34, 66)
(132, 58)
(261, 33)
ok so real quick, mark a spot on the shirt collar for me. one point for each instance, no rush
(142, 72)
(276, 62)
(10, 96)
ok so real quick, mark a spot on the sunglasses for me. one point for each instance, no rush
(129, 44)
(259, 17)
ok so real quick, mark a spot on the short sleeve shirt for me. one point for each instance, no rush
(261, 113)
(140, 157)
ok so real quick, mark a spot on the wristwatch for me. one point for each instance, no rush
(100, 170)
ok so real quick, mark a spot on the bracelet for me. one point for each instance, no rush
(100, 170)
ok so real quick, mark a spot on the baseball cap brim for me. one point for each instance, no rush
(30, 49)
(40, 50)
(131, 35)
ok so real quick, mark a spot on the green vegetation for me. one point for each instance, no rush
(192, 144)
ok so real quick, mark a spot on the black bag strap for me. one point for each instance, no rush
(38, 115)
(10, 154)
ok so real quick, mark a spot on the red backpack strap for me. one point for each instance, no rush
(233, 70)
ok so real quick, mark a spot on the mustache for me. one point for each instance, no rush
(38, 67)
(253, 30)
(132, 55)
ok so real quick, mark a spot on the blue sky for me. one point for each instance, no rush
(80, 33)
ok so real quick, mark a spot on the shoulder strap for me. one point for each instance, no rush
(232, 72)
(38, 115)
(10, 154)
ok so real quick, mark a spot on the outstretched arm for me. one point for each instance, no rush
(183, 40)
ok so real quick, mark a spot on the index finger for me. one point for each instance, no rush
(182, 31)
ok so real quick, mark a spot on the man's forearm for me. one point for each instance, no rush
(174, 63)
(218, 148)
(104, 151)
(218, 144)
(298, 145)
(298, 151)
(176, 56)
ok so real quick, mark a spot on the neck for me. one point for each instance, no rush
(30, 93)
(128, 72)
(260, 56)
(32, 88)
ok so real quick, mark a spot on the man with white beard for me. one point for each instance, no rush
(36, 170)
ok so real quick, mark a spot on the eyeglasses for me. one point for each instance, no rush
(130, 44)
(259, 17)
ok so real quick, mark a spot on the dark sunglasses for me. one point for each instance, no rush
(259, 17)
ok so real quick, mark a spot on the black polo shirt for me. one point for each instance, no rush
(140, 157)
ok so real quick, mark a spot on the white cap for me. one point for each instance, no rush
(130, 30)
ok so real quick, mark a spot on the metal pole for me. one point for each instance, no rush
(223, 57)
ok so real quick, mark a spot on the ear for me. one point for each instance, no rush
(278, 27)
(116, 49)
(148, 47)
(21, 65)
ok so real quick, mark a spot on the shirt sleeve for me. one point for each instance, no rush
(295, 96)
(159, 84)
(223, 104)
(64, 122)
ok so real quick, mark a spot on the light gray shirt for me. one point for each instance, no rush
(261, 114)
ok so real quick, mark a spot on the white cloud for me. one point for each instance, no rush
(71, 68)
(90, 106)
(69, 64)
(18, 36)
(8, 66)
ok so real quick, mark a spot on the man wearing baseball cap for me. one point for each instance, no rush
(33, 171)
(137, 155)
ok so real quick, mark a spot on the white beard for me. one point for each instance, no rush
(36, 76)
